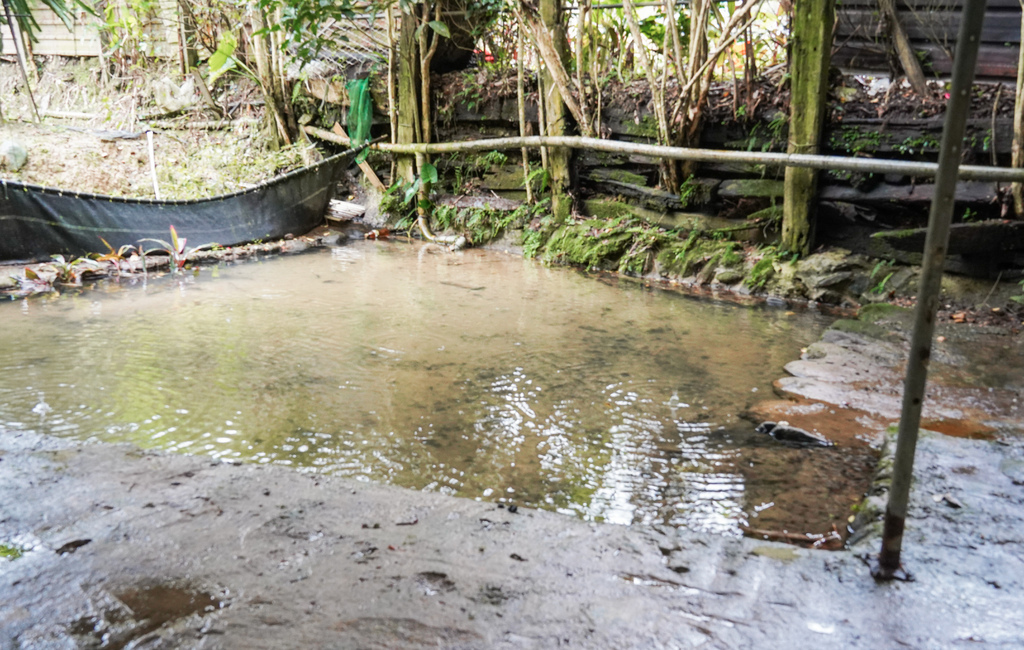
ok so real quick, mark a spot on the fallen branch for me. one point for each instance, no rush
(205, 125)
(831, 540)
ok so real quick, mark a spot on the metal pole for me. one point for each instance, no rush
(152, 164)
(889, 566)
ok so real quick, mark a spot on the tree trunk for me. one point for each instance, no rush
(811, 51)
(261, 46)
(408, 73)
(521, 97)
(559, 158)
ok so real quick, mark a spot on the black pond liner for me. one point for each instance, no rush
(37, 222)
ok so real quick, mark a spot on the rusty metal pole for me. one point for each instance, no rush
(936, 243)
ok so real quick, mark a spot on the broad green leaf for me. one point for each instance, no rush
(225, 48)
(412, 190)
(428, 173)
(440, 28)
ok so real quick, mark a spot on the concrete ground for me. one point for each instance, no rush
(136, 549)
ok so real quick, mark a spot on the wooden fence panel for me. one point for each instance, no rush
(862, 41)
(160, 29)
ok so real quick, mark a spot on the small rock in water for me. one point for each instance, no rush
(13, 155)
(783, 432)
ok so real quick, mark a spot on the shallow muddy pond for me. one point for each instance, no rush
(476, 374)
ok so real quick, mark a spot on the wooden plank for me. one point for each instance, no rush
(994, 61)
(54, 36)
(344, 211)
(964, 238)
(999, 27)
(966, 192)
(927, 5)
(367, 170)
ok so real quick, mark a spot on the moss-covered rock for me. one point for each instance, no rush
(863, 328)
(883, 311)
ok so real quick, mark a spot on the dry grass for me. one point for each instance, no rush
(80, 155)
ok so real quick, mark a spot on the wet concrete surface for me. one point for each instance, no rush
(136, 549)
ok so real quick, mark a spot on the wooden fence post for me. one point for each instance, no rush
(408, 111)
(811, 50)
(559, 158)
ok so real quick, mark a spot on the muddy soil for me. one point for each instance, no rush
(128, 548)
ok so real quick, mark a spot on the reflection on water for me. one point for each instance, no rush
(476, 374)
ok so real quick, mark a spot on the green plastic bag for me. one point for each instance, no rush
(360, 114)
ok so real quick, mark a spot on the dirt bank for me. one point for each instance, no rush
(129, 548)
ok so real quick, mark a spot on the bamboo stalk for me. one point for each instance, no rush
(426, 58)
(549, 54)
(542, 118)
(810, 161)
(657, 96)
(520, 92)
(19, 47)
(392, 113)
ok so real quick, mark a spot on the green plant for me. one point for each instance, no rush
(1020, 298)
(395, 204)
(540, 174)
(127, 25)
(10, 552)
(969, 215)
(763, 270)
(302, 24)
(122, 259)
(855, 140)
(32, 282)
(71, 271)
(176, 249)
(878, 269)
(489, 160)
(917, 145)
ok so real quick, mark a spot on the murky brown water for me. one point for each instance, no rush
(476, 374)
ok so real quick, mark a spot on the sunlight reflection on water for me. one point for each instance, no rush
(475, 374)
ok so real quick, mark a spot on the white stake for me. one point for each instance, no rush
(152, 164)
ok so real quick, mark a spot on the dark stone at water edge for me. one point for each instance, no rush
(785, 433)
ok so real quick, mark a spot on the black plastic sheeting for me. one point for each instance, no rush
(37, 222)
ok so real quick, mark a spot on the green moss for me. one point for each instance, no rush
(752, 188)
(861, 327)
(771, 214)
(593, 244)
(622, 176)
(481, 225)
(625, 244)
(10, 552)
(897, 234)
(606, 209)
(646, 128)
(697, 251)
(763, 270)
(882, 310)
(694, 192)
